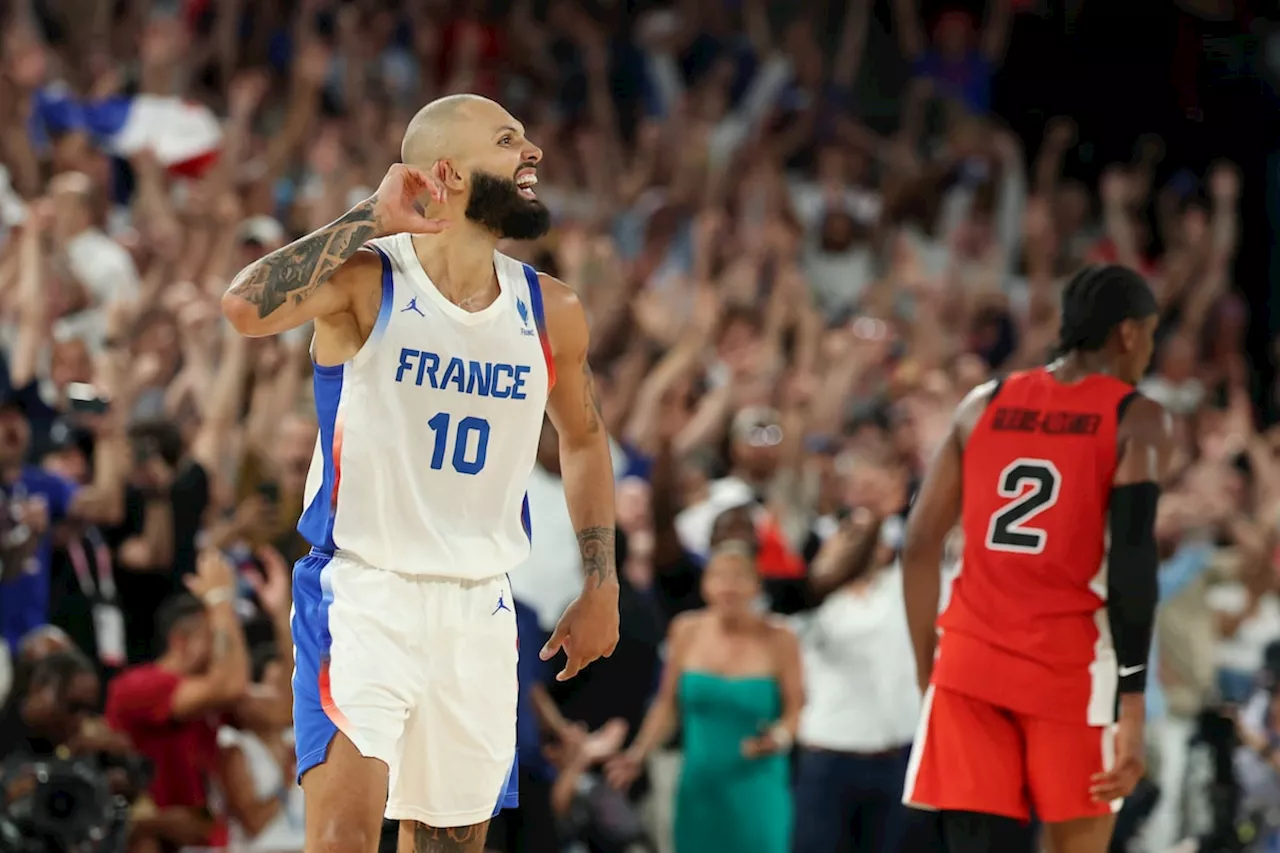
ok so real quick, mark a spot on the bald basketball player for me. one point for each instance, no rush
(436, 358)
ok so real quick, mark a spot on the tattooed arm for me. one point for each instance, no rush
(324, 274)
(574, 407)
(589, 627)
(307, 279)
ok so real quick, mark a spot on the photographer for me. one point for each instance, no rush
(54, 702)
(66, 775)
(172, 708)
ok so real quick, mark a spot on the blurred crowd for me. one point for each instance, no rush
(801, 234)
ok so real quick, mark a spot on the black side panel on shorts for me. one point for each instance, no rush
(974, 832)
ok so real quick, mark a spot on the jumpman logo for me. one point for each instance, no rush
(502, 604)
(413, 306)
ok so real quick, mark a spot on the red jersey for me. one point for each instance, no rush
(1026, 626)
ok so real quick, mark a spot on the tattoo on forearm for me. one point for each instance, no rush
(590, 399)
(457, 839)
(295, 271)
(598, 553)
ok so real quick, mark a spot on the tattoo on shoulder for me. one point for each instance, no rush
(295, 271)
(598, 553)
(457, 839)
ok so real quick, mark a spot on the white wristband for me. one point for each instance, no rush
(782, 736)
(214, 597)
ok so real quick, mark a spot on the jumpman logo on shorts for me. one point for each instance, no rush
(413, 306)
(502, 604)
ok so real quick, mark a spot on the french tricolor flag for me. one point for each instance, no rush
(184, 136)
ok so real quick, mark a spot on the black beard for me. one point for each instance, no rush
(496, 204)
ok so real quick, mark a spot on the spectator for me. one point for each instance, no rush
(856, 729)
(1182, 656)
(734, 678)
(802, 235)
(551, 770)
(101, 272)
(589, 810)
(33, 499)
(170, 708)
(960, 61)
(55, 701)
(257, 770)
(532, 825)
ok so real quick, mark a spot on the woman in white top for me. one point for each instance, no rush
(863, 702)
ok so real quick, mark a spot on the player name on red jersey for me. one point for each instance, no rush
(1013, 419)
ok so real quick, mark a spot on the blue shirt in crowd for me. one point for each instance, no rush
(24, 600)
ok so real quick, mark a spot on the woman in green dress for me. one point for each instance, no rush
(733, 675)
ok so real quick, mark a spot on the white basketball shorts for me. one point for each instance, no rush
(419, 672)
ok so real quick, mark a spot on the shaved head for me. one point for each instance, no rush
(434, 133)
(479, 152)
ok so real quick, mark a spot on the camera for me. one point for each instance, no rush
(57, 805)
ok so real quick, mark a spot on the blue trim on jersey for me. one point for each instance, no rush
(525, 521)
(312, 600)
(388, 297)
(509, 796)
(535, 300)
(316, 523)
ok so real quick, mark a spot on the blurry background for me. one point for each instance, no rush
(802, 232)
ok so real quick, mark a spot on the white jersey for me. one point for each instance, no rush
(429, 433)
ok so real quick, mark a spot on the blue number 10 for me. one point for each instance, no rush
(440, 426)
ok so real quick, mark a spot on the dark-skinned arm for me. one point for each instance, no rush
(933, 515)
(1133, 562)
(846, 555)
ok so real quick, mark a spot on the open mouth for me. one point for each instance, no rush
(526, 180)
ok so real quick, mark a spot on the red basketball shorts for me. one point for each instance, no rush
(973, 756)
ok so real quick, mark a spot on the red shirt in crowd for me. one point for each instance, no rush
(184, 752)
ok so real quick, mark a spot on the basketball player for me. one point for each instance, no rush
(435, 358)
(1053, 476)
